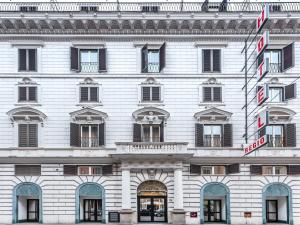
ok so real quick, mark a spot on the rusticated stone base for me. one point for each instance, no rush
(178, 217)
(126, 216)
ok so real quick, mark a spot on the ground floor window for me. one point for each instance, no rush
(212, 211)
(92, 210)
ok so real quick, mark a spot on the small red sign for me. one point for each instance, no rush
(262, 18)
(262, 43)
(262, 69)
(262, 119)
(262, 94)
(256, 145)
(193, 214)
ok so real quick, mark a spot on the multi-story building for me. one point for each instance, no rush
(133, 112)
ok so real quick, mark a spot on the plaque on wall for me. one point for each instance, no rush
(114, 217)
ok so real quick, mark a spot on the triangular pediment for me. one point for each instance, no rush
(213, 114)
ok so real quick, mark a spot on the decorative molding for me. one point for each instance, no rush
(213, 114)
(211, 44)
(150, 115)
(22, 43)
(26, 114)
(88, 115)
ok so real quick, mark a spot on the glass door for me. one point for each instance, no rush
(272, 211)
(212, 211)
(32, 210)
(92, 210)
(152, 209)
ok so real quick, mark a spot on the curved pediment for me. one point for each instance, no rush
(151, 115)
(88, 114)
(278, 114)
(213, 114)
(26, 114)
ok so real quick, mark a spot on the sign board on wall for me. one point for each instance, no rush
(262, 94)
(256, 145)
(262, 120)
(262, 43)
(262, 18)
(263, 69)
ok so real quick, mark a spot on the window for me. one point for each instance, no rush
(89, 94)
(212, 136)
(153, 59)
(212, 94)
(275, 135)
(27, 94)
(27, 60)
(28, 135)
(89, 170)
(274, 57)
(211, 60)
(150, 133)
(213, 170)
(89, 60)
(89, 135)
(27, 170)
(150, 94)
(275, 94)
(274, 170)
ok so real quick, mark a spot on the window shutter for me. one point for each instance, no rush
(70, 170)
(101, 134)
(206, 60)
(75, 135)
(162, 57)
(216, 60)
(255, 169)
(144, 55)
(161, 130)
(227, 135)
(290, 135)
(146, 94)
(293, 169)
(32, 59)
(22, 59)
(32, 94)
(155, 94)
(22, 93)
(23, 132)
(288, 56)
(102, 59)
(107, 170)
(94, 94)
(233, 168)
(195, 169)
(137, 129)
(199, 135)
(84, 94)
(290, 91)
(33, 135)
(27, 170)
(207, 94)
(74, 59)
(217, 94)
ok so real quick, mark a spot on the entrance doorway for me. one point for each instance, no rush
(32, 210)
(272, 211)
(92, 210)
(152, 202)
(212, 211)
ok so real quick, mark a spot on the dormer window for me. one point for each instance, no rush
(153, 58)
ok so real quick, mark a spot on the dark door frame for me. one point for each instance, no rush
(95, 210)
(152, 209)
(36, 211)
(267, 211)
(210, 213)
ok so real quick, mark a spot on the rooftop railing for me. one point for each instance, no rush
(145, 7)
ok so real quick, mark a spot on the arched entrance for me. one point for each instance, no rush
(90, 203)
(277, 204)
(215, 203)
(152, 202)
(27, 203)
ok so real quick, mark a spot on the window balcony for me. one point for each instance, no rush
(90, 142)
(152, 148)
(275, 141)
(275, 68)
(89, 67)
(212, 141)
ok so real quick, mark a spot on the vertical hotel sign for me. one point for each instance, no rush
(263, 69)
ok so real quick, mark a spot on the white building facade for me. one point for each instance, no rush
(129, 113)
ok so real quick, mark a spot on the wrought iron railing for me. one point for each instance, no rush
(153, 147)
(275, 68)
(275, 141)
(153, 67)
(146, 7)
(89, 67)
(212, 141)
(89, 142)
